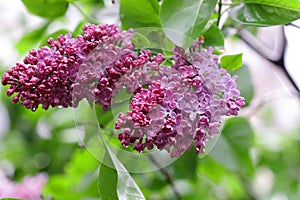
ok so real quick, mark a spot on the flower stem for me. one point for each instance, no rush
(168, 177)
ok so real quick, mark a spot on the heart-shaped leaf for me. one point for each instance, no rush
(213, 37)
(232, 62)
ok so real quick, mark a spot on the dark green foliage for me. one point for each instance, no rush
(49, 9)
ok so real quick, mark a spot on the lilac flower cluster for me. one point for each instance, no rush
(29, 188)
(174, 106)
(179, 106)
(72, 68)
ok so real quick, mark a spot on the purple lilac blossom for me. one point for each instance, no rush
(72, 69)
(181, 105)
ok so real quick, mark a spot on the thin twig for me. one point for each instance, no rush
(256, 105)
(293, 25)
(168, 177)
(279, 62)
(219, 12)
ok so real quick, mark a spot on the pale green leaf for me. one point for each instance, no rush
(232, 62)
(184, 21)
(115, 182)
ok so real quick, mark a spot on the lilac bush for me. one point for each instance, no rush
(175, 104)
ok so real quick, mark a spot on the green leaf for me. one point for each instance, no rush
(54, 36)
(244, 83)
(108, 179)
(290, 4)
(232, 149)
(114, 180)
(265, 12)
(238, 132)
(213, 37)
(31, 39)
(232, 62)
(105, 118)
(213, 174)
(186, 166)
(185, 20)
(127, 188)
(137, 14)
(50, 9)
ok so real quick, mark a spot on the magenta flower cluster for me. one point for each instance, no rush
(69, 70)
(174, 106)
(179, 106)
